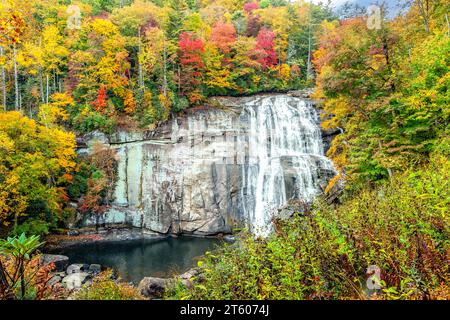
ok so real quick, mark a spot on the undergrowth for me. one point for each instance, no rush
(400, 228)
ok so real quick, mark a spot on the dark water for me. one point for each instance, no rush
(136, 259)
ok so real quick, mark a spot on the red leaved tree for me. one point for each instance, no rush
(191, 60)
(250, 6)
(265, 44)
(223, 36)
(100, 103)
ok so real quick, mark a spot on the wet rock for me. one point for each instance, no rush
(205, 227)
(154, 288)
(59, 261)
(75, 280)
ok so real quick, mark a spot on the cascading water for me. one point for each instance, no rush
(213, 168)
(283, 146)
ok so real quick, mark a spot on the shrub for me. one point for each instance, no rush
(402, 227)
(104, 287)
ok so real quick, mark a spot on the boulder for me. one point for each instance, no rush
(285, 213)
(191, 273)
(58, 260)
(187, 277)
(75, 280)
(229, 238)
(154, 288)
(77, 268)
(95, 268)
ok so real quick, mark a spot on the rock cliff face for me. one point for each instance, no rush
(215, 168)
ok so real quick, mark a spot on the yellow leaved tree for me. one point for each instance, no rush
(35, 162)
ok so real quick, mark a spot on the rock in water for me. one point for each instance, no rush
(214, 168)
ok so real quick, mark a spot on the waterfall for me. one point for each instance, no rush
(214, 168)
(283, 146)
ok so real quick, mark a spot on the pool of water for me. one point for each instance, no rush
(136, 259)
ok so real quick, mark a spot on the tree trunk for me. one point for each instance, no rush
(179, 79)
(424, 7)
(448, 25)
(16, 80)
(3, 279)
(140, 77)
(165, 67)
(46, 95)
(41, 86)
(309, 69)
(3, 81)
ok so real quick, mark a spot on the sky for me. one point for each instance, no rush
(360, 2)
(392, 4)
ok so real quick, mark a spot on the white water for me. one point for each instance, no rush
(281, 128)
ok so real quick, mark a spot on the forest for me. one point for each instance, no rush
(69, 68)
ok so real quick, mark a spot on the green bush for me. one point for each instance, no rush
(92, 121)
(33, 226)
(403, 227)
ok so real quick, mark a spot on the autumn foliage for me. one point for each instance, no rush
(265, 45)
(100, 103)
(35, 161)
(119, 54)
(101, 180)
(224, 36)
(191, 60)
